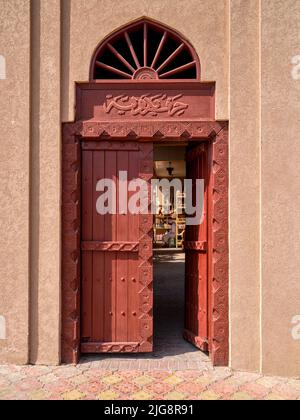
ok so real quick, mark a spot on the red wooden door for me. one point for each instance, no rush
(196, 247)
(117, 297)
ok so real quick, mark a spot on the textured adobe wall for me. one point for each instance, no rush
(244, 185)
(46, 183)
(14, 174)
(280, 187)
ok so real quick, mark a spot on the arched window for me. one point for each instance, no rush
(145, 50)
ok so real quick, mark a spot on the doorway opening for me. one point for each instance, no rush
(181, 260)
(180, 290)
(169, 227)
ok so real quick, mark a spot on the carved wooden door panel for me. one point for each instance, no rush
(196, 246)
(117, 274)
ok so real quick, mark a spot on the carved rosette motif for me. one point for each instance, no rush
(220, 282)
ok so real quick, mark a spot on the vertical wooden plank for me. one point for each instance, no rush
(121, 297)
(209, 241)
(187, 290)
(87, 195)
(109, 297)
(194, 292)
(203, 286)
(110, 279)
(197, 295)
(202, 296)
(87, 234)
(133, 261)
(110, 173)
(122, 263)
(122, 219)
(197, 280)
(98, 257)
(98, 174)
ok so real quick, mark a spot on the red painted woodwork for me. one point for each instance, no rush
(100, 129)
(196, 277)
(218, 249)
(116, 312)
(117, 102)
(71, 222)
(109, 136)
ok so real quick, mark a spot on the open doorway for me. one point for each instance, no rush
(169, 313)
(177, 304)
(169, 221)
(169, 226)
(181, 296)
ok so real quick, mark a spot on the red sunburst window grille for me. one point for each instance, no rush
(145, 50)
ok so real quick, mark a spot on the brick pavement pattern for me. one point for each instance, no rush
(174, 371)
(88, 381)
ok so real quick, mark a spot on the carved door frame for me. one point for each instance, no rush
(160, 130)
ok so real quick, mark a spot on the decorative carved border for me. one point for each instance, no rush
(145, 256)
(110, 246)
(110, 347)
(73, 134)
(219, 333)
(71, 221)
(151, 130)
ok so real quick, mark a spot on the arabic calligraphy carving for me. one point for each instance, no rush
(146, 105)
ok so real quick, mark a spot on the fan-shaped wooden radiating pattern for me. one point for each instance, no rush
(145, 50)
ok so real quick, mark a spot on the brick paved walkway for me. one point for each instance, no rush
(88, 381)
(175, 371)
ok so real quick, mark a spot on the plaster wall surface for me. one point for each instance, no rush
(244, 192)
(14, 173)
(45, 183)
(280, 186)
